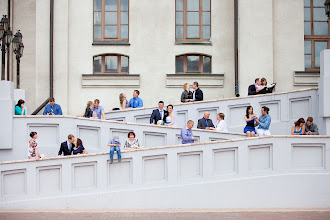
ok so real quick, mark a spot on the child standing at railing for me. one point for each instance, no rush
(114, 146)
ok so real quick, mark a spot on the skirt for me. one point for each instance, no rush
(249, 128)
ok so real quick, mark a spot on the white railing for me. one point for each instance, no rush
(285, 108)
(95, 134)
(268, 172)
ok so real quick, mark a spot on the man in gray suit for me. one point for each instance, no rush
(205, 122)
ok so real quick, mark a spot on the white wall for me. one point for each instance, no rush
(271, 172)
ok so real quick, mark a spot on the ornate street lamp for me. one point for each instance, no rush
(18, 48)
(327, 8)
(4, 23)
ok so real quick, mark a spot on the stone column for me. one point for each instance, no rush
(7, 112)
(324, 88)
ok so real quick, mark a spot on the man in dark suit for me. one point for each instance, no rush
(67, 146)
(205, 122)
(158, 114)
(198, 93)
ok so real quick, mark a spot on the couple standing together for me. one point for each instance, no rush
(161, 117)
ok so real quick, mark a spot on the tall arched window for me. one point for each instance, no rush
(193, 20)
(111, 20)
(193, 63)
(317, 32)
(110, 63)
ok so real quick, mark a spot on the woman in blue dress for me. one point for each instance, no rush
(249, 118)
(298, 128)
(78, 148)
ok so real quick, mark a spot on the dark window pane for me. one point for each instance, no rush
(307, 29)
(206, 5)
(307, 14)
(124, 17)
(308, 61)
(110, 17)
(319, 46)
(319, 14)
(308, 47)
(192, 31)
(110, 32)
(179, 5)
(179, 32)
(124, 64)
(97, 5)
(206, 32)
(97, 17)
(206, 17)
(179, 64)
(193, 64)
(124, 31)
(124, 5)
(307, 3)
(97, 32)
(111, 5)
(97, 65)
(206, 64)
(193, 5)
(318, 3)
(111, 64)
(179, 18)
(320, 28)
(193, 18)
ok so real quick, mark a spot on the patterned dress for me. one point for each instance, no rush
(130, 144)
(32, 148)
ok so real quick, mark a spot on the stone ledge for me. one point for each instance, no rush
(110, 80)
(204, 80)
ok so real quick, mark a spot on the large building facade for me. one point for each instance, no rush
(102, 48)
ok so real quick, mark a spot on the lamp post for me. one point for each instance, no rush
(6, 36)
(18, 48)
(327, 8)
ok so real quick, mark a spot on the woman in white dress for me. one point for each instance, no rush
(170, 116)
(221, 123)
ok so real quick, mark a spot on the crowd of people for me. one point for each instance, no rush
(254, 125)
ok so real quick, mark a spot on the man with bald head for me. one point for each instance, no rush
(205, 122)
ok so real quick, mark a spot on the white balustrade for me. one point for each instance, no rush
(267, 172)
(285, 109)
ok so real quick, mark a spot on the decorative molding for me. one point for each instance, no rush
(110, 80)
(204, 80)
(306, 78)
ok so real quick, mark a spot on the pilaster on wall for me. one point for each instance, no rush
(324, 82)
(61, 54)
(6, 116)
(255, 42)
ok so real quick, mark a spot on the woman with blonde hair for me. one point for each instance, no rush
(123, 101)
(186, 95)
(88, 111)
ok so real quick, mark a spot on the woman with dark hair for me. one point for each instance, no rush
(78, 148)
(298, 128)
(249, 118)
(132, 142)
(169, 117)
(33, 144)
(20, 108)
